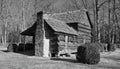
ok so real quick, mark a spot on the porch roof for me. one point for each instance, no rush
(30, 31)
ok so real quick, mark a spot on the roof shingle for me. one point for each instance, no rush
(60, 26)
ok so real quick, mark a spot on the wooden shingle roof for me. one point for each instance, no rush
(72, 16)
(60, 26)
(58, 22)
(29, 31)
(56, 25)
(77, 16)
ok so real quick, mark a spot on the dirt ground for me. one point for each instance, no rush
(9, 60)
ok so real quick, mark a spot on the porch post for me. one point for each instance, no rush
(84, 40)
(34, 43)
(24, 42)
(66, 44)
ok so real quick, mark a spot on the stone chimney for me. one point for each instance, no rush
(39, 35)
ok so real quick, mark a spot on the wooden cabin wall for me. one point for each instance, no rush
(82, 30)
(61, 42)
(71, 44)
(84, 34)
(57, 40)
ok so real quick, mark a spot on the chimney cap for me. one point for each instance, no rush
(39, 13)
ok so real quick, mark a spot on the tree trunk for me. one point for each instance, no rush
(90, 22)
(109, 38)
(5, 33)
(92, 27)
(96, 21)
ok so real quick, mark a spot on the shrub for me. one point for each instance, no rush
(12, 47)
(15, 47)
(102, 46)
(111, 47)
(118, 45)
(88, 53)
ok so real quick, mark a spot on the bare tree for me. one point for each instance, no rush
(94, 26)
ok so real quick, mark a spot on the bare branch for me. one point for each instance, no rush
(102, 4)
(76, 4)
(84, 4)
(87, 13)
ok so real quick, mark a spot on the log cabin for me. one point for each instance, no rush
(54, 35)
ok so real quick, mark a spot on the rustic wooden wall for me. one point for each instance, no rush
(84, 32)
(71, 46)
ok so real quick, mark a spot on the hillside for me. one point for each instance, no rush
(58, 5)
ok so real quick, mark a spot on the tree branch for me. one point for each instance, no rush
(102, 4)
(85, 6)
